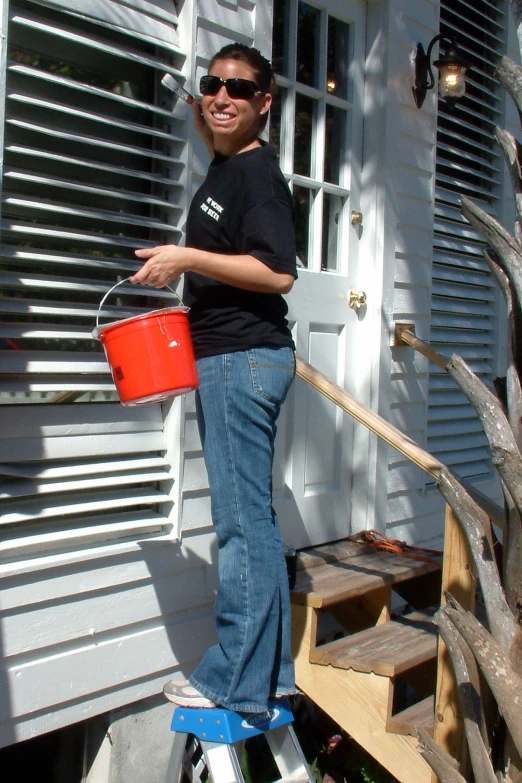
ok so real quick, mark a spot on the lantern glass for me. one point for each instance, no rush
(452, 82)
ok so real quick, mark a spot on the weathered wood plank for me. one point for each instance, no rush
(387, 649)
(339, 580)
(420, 715)
(357, 701)
(457, 578)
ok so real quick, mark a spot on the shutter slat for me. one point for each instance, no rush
(459, 321)
(31, 23)
(63, 448)
(460, 308)
(494, 19)
(458, 427)
(106, 241)
(107, 528)
(458, 412)
(148, 23)
(47, 307)
(442, 399)
(443, 337)
(468, 353)
(444, 288)
(47, 472)
(441, 382)
(104, 144)
(97, 192)
(37, 257)
(22, 205)
(16, 511)
(458, 458)
(88, 116)
(78, 87)
(464, 124)
(446, 257)
(21, 489)
(63, 161)
(47, 331)
(448, 243)
(452, 139)
(482, 162)
(54, 362)
(465, 187)
(467, 277)
(23, 280)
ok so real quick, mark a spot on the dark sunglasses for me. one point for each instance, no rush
(236, 88)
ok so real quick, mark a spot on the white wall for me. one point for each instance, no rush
(414, 512)
(86, 631)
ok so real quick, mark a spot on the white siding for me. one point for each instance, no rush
(409, 190)
(99, 603)
(414, 512)
(82, 636)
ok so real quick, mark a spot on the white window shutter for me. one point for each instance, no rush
(92, 170)
(463, 292)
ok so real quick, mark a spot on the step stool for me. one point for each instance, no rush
(220, 733)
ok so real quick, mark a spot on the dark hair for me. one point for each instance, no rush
(252, 57)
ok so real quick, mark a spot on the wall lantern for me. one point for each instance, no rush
(452, 68)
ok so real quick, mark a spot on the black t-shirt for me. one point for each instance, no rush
(244, 207)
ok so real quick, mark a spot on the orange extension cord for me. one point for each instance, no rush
(395, 545)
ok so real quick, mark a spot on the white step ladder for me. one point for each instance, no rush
(218, 734)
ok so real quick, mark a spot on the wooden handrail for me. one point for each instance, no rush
(375, 423)
(390, 434)
(404, 335)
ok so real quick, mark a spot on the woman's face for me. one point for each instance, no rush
(234, 122)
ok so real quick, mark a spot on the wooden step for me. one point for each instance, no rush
(349, 569)
(387, 649)
(420, 715)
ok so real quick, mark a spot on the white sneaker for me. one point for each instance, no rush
(182, 693)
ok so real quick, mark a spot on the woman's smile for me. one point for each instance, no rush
(222, 116)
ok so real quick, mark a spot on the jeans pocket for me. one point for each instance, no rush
(272, 371)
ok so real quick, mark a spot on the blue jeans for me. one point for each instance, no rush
(238, 401)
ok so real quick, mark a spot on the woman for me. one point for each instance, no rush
(238, 260)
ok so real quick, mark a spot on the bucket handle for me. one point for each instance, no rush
(126, 280)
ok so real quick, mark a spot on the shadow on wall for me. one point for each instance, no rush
(122, 625)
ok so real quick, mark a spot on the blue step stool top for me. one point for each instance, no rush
(220, 725)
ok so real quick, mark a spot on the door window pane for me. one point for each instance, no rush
(280, 35)
(275, 119)
(308, 19)
(332, 206)
(304, 126)
(303, 205)
(334, 146)
(337, 57)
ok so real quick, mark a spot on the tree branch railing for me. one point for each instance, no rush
(458, 573)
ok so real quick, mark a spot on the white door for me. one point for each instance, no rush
(318, 54)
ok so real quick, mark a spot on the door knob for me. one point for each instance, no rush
(356, 298)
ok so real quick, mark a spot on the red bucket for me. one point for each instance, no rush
(151, 355)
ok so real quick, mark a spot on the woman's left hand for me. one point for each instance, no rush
(162, 265)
